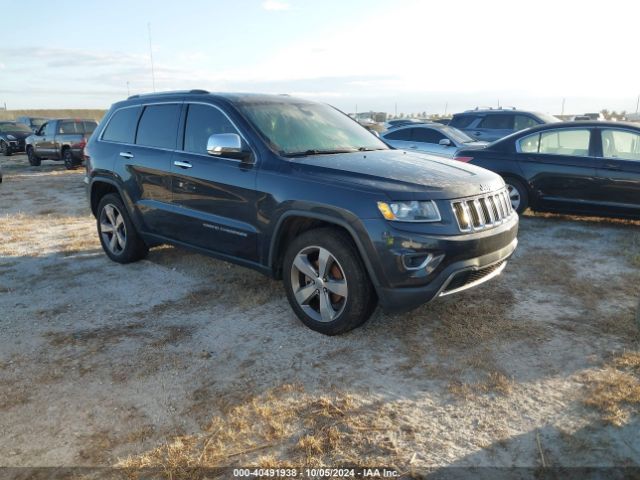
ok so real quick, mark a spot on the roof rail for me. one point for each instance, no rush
(174, 92)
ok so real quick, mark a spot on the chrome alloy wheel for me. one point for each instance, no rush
(113, 229)
(514, 196)
(319, 284)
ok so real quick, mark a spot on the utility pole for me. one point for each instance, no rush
(446, 107)
(563, 106)
(153, 73)
(637, 105)
(396, 114)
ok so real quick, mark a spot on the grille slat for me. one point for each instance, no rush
(482, 212)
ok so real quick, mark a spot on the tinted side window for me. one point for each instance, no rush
(122, 126)
(497, 122)
(462, 121)
(621, 144)
(202, 122)
(427, 135)
(565, 142)
(65, 128)
(158, 126)
(404, 134)
(522, 121)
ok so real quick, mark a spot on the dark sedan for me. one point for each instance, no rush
(571, 167)
(12, 137)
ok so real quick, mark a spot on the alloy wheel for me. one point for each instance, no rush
(319, 284)
(113, 229)
(514, 196)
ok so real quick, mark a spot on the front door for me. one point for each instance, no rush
(216, 195)
(43, 144)
(561, 167)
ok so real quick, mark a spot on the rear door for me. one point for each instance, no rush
(561, 166)
(216, 196)
(144, 139)
(494, 126)
(619, 172)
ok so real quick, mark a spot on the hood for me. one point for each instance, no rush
(402, 175)
(18, 135)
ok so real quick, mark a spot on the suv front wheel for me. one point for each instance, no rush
(118, 236)
(326, 282)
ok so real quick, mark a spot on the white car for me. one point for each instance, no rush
(433, 138)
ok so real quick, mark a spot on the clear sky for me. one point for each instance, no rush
(376, 54)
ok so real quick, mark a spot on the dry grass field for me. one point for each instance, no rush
(181, 361)
(49, 113)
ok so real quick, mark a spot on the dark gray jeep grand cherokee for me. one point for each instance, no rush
(298, 191)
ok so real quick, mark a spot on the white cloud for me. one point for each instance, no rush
(275, 5)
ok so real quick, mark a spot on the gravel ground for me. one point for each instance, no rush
(105, 364)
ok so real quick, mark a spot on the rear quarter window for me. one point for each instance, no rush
(122, 126)
(404, 134)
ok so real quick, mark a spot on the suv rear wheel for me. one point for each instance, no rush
(69, 162)
(118, 236)
(4, 148)
(326, 282)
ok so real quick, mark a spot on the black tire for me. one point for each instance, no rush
(344, 267)
(132, 248)
(69, 161)
(517, 190)
(33, 160)
(4, 148)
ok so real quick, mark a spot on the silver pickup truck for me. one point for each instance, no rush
(60, 139)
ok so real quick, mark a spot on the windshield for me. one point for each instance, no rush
(38, 122)
(457, 135)
(14, 128)
(309, 128)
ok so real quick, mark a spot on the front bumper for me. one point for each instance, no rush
(16, 146)
(467, 261)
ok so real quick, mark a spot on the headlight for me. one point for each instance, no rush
(410, 211)
(11, 137)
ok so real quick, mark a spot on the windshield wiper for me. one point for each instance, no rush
(315, 152)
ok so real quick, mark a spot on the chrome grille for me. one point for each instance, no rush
(482, 212)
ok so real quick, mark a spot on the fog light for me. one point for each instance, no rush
(421, 261)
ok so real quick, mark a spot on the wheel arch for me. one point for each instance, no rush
(100, 187)
(293, 223)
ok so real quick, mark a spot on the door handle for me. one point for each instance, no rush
(180, 164)
(126, 155)
(478, 133)
(412, 146)
(611, 166)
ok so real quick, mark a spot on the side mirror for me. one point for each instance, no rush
(226, 145)
(445, 142)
